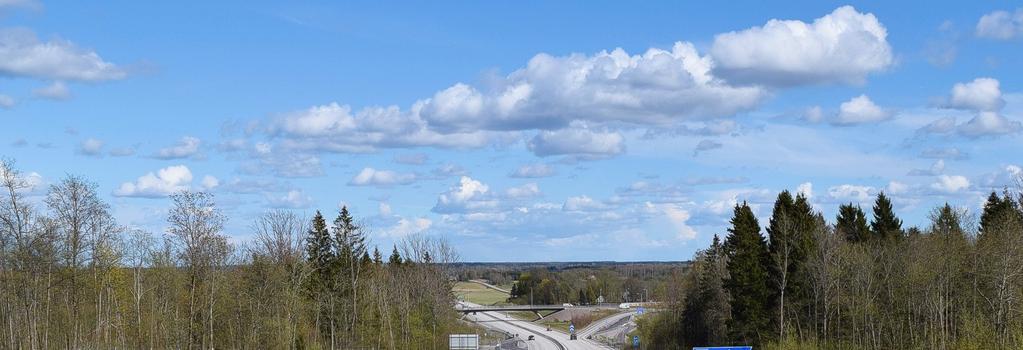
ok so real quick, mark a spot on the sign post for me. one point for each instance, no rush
(635, 342)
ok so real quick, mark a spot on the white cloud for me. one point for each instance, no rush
(656, 87)
(678, 218)
(525, 191)
(1001, 25)
(850, 193)
(981, 94)
(23, 55)
(895, 187)
(860, 110)
(841, 47)
(577, 141)
(535, 170)
(989, 124)
(405, 227)
(806, 189)
(374, 177)
(186, 147)
(943, 125)
(164, 182)
(7, 102)
(56, 91)
(582, 203)
(91, 147)
(951, 183)
(294, 199)
(209, 182)
(813, 114)
(466, 196)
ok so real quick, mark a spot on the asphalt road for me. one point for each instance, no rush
(543, 339)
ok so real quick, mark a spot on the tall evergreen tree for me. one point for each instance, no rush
(851, 223)
(320, 255)
(747, 281)
(377, 257)
(707, 309)
(946, 222)
(999, 211)
(789, 242)
(395, 259)
(885, 224)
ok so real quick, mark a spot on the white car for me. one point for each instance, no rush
(566, 305)
(624, 306)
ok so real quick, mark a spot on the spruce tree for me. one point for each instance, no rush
(377, 257)
(747, 281)
(395, 259)
(885, 224)
(789, 242)
(999, 211)
(946, 222)
(851, 223)
(319, 250)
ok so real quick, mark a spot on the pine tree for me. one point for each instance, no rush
(395, 259)
(377, 258)
(885, 224)
(707, 310)
(747, 281)
(789, 242)
(851, 223)
(999, 211)
(946, 222)
(319, 250)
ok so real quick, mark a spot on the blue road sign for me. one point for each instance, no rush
(635, 341)
(571, 328)
(640, 310)
(725, 348)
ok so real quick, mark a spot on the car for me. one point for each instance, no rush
(571, 337)
(567, 305)
(530, 338)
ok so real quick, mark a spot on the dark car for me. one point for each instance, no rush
(530, 338)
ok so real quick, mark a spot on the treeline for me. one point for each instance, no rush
(853, 284)
(619, 283)
(71, 277)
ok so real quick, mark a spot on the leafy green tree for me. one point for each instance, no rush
(885, 224)
(852, 223)
(747, 265)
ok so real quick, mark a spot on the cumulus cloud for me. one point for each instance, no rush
(293, 199)
(23, 55)
(525, 191)
(163, 182)
(1001, 25)
(374, 177)
(56, 91)
(848, 192)
(577, 141)
(582, 203)
(860, 110)
(466, 196)
(951, 183)
(841, 47)
(186, 147)
(678, 218)
(405, 227)
(981, 94)
(655, 87)
(91, 147)
(806, 189)
(535, 170)
(705, 145)
(989, 124)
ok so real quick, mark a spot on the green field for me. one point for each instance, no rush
(479, 294)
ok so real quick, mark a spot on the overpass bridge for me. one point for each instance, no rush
(536, 309)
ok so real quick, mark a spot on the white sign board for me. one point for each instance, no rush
(464, 342)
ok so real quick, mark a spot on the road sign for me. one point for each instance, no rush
(640, 310)
(725, 348)
(464, 342)
(635, 341)
(571, 328)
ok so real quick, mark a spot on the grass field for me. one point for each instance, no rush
(477, 293)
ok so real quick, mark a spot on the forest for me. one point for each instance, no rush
(73, 278)
(806, 283)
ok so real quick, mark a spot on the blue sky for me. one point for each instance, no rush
(520, 131)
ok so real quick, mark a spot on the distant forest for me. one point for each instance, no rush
(71, 277)
(853, 283)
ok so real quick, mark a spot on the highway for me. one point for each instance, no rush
(543, 339)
